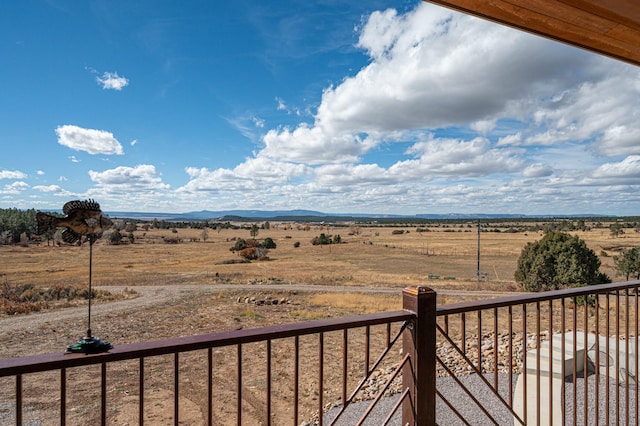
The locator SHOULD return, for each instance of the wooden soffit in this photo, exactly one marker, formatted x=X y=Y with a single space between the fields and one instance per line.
x=607 y=27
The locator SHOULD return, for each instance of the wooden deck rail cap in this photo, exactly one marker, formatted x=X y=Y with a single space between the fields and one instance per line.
x=414 y=290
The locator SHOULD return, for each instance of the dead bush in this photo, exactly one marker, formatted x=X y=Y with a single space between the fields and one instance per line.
x=254 y=253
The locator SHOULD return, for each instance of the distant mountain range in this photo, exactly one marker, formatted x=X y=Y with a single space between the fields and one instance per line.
x=311 y=215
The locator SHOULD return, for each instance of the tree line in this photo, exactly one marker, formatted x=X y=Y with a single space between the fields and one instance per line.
x=14 y=223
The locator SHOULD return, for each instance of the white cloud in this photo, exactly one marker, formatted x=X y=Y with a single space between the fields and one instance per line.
x=143 y=177
x=138 y=188
x=56 y=190
x=14 y=188
x=312 y=145
x=258 y=122
x=602 y=111
x=47 y=188
x=483 y=126
x=111 y=80
x=249 y=126
x=537 y=170
x=620 y=139
x=434 y=69
x=627 y=170
x=254 y=173
x=514 y=139
x=346 y=175
x=15 y=174
x=88 y=140
x=40 y=172
x=457 y=158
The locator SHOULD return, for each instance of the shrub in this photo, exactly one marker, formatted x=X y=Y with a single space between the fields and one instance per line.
x=240 y=244
x=254 y=253
x=558 y=260
x=115 y=237
x=233 y=261
x=26 y=298
x=322 y=239
x=268 y=243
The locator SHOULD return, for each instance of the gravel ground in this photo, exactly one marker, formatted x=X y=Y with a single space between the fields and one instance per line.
x=475 y=416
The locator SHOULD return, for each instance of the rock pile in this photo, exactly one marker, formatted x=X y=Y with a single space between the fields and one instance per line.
x=266 y=300
x=452 y=358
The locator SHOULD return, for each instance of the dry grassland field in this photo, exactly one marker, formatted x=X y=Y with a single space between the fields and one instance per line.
x=152 y=290
x=374 y=257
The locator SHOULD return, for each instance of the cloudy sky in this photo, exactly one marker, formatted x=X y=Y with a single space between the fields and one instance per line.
x=397 y=107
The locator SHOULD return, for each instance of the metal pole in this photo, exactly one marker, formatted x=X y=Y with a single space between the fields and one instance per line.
x=478 y=270
x=90 y=274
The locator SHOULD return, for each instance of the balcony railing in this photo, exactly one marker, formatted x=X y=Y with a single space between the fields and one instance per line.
x=499 y=361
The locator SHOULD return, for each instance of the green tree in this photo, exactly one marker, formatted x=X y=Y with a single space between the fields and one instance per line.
x=322 y=239
x=616 y=229
x=629 y=263
x=558 y=260
x=268 y=243
x=240 y=244
x=254 y=230
x=14 y=222
x=115 y=237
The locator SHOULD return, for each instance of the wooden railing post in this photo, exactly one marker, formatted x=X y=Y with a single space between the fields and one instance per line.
x=419 y=376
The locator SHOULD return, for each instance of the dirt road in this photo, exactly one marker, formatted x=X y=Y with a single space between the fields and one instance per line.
x=150 y=296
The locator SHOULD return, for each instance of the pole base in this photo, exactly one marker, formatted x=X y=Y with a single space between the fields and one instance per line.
x=89 y=345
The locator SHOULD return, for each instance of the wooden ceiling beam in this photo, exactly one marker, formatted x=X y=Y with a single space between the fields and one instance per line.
x=606 y=27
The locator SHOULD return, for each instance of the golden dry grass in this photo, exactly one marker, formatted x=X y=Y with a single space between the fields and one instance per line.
x=373 y=257
x=357 y=303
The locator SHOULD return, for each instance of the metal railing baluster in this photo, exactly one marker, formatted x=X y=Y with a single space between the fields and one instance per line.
x=19 y=399
x=320 y=378
x=63 y=396
x=103 y=393
x=268 y=382
x=296 y=379
x=176 y=389
x=210 y=386
x=239 y=385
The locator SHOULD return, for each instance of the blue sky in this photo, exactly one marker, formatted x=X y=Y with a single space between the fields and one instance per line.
x=342 y=107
